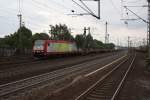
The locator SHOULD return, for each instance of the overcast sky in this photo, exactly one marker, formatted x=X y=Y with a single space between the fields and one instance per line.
x=39 y=14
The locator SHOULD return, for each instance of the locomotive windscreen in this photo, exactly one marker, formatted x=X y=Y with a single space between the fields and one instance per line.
x=39 y=45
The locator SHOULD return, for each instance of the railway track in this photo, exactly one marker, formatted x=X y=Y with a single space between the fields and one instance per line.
x=14 y=88
x=14 y=58
x=36 y=68
x=108 y=87
x=7 y=65
x=12 y=64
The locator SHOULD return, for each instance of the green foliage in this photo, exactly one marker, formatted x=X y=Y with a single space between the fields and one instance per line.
x=40 y=36
x=25 y=32
x=1 y=42
x=97 y=44
x=79 y=39
x=25 y=38
x=60 y=32
x=109 y=46
x=83 y=41
x=88 y=41
x=20 y=39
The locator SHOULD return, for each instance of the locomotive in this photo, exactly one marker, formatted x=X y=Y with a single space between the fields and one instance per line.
x=44 y=48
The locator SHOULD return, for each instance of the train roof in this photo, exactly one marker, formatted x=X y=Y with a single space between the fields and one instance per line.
x=57 y=41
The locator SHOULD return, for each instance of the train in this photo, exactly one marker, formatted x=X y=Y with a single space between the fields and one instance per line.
x=50 y=48
x=43 y=48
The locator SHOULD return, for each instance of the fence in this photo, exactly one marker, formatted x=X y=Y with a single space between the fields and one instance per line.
x=6 y=52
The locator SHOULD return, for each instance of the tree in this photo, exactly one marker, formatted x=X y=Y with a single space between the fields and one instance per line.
x=79 y=39
x=40 y=36
x=109 y=46
x=11 y=40
x=60 y=32
x=19 y=39
x=88 y=41
x=2 y=42
x=25 y=37
x=97 y=44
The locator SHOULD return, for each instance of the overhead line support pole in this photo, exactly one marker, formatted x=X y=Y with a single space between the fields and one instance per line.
x=106 y=35
x=147 y=22
x=99 y=9
x=20 y=20
x=149 y=28
x=128 y=44
x=20 y=25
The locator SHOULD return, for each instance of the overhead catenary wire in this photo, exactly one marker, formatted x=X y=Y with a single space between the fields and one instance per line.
x=11 y=22
x=82 y=7
x=136 y=15
x=30 y=18
x=114 y=6
x=136 y=1
x=8 y=11
x=35 y=24
x=19 y=6
x=87 y=7
x=122 y=4
x=59 y=4
x=47 y=6
x=39 y=6
x=43 y=5
x=13 y=18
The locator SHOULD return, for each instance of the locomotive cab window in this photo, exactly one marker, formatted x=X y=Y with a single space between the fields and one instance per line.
x=48 y=44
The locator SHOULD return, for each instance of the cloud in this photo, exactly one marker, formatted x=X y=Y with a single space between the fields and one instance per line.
x=38 y=15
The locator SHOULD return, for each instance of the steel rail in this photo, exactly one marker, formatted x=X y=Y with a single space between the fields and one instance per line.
x=35 y=61
x=8 y=65
x=77 y=64
x=123 y=80
x=53 y=76
x=44 y=74
x=6 y=69
x=100 y=80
